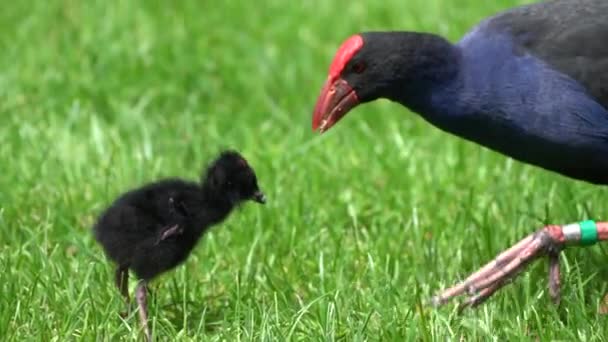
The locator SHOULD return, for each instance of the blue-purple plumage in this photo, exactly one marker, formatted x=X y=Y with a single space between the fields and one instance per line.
x=568 y=35
x=512 y=101
x=531 y=83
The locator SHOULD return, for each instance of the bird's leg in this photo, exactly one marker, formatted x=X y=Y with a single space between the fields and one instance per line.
x=172 y=208
x=141 y=294
x=173 y=230
x=549 y=240
x=169 y=232
x=122 y=282
x=554 y=277
x=177 y=208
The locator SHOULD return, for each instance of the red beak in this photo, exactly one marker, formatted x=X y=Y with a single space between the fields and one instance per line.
x=337 y=98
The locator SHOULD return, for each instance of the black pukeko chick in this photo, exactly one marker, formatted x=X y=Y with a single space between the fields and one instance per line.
x=153 y=229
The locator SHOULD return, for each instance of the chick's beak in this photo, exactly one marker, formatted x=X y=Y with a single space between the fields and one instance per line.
x=259 y=197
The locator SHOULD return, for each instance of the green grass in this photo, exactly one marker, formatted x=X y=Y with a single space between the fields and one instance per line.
x=363 y=224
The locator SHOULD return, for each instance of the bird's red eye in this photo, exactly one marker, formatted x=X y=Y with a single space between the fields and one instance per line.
x=358 y=67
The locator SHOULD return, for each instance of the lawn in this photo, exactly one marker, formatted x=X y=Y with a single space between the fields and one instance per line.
x=362 y=224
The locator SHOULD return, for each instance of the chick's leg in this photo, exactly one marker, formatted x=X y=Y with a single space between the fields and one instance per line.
x=141 y=294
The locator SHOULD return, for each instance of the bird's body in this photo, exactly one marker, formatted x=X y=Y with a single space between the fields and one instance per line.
x=567 y=35
x=513 y=95
x=500 y=86
x=132 y=226
x=153 y=229
x=530 y=83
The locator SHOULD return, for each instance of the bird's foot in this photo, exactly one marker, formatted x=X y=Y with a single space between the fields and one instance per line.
x=548 y=241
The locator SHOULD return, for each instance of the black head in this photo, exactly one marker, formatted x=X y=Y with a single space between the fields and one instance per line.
x=230 y=177
x=372 y=65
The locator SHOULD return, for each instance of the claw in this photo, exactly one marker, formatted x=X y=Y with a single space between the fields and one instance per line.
x=548 y=241
x=481 y=296
x=482 y=284
x=554 y=278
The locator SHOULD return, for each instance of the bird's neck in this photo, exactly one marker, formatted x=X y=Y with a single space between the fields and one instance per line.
x=433 y=83
x=215 y=207
x=475 y=77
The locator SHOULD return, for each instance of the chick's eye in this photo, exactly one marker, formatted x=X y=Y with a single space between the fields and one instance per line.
x=359 y=67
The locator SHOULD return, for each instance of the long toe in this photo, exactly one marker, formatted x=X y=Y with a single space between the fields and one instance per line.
x=482 y=284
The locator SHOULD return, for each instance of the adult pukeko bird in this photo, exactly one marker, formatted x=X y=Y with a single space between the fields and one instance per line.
x=530 y=83
x=153 y=229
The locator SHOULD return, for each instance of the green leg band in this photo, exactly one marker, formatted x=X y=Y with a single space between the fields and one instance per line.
x=588 y=232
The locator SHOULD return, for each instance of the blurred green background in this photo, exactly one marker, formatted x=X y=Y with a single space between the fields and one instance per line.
x=363 y=223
